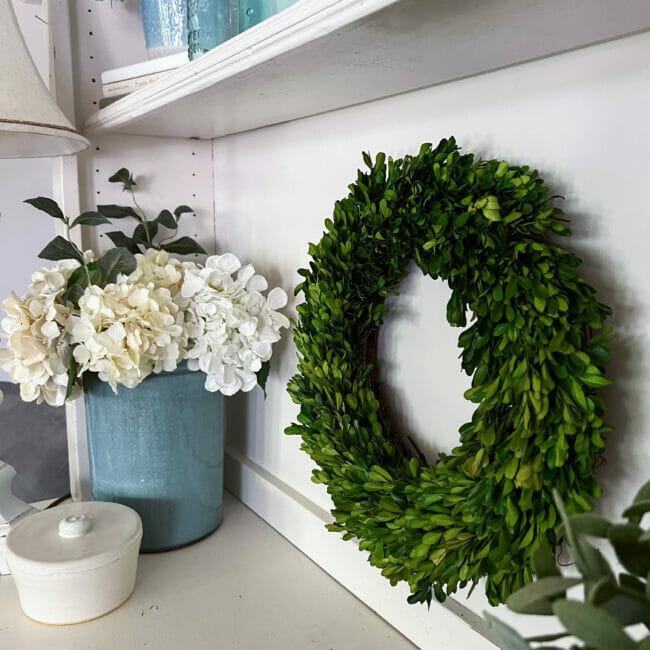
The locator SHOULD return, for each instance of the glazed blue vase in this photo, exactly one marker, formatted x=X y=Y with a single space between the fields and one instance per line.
x=158 y=448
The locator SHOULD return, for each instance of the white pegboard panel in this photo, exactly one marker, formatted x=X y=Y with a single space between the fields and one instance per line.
x=106 y=34
x=169 y=172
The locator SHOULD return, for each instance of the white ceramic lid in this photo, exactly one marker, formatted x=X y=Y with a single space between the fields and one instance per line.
x=73 y=537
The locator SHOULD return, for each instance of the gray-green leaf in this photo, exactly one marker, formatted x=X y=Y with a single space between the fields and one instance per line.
x=597 y=628
x=507 y=636
x=536 y=598
x=587 y=524
x=544 y=563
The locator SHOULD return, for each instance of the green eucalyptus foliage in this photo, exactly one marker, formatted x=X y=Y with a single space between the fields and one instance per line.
x=484 y=510
x=611 y=603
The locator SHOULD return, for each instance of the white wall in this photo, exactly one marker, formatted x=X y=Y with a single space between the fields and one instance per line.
x=581 y=118
x=23 y=230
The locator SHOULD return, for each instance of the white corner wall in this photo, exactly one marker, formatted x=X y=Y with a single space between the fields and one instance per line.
x=581 y=119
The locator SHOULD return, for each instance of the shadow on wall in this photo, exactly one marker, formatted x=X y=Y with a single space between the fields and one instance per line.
x=33 y=441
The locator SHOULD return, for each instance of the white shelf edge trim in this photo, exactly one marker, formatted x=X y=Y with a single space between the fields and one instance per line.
x=301 y=23
x=301 y=521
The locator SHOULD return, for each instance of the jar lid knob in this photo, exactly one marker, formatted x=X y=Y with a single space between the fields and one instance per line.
x=74 y=525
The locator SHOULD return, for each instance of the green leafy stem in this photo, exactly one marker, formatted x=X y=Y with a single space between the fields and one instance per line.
x=611 y=603
x=118 y=260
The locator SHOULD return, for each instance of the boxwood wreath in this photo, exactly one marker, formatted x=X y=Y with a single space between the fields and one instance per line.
x=536 y=350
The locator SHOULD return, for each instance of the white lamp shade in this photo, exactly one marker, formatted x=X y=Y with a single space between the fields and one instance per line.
x=31 y=124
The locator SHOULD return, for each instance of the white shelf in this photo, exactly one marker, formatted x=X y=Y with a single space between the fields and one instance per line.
x=321 y=55
x=242 y=587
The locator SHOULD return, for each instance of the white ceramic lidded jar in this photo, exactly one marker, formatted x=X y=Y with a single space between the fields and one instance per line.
x=75 y=562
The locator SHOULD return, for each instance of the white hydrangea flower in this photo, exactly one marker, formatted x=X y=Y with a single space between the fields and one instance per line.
x=38 y=342
x=126 y=331
x=157 y=267
x=231 y=326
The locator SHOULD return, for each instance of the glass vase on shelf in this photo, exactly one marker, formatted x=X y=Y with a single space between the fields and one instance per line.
x=252 y=12
x=165 y=26
x=210 y=23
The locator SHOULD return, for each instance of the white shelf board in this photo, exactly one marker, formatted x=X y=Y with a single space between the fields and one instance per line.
x=321 y=55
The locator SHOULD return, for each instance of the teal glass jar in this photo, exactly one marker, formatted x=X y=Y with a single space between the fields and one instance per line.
x=158 y=448
x=252 y=12
x=210 y=23
x=165 y=26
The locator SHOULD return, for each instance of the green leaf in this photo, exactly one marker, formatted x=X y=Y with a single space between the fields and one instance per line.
x=595 y=381
x=120 y=239
x=633 y=553
x=61 y=249
x=78 y=281
x=123 y=176
x=140 y=234
x=536 y=597
x=597 y=628
x=72 y=376
x=632 y=582
x=637 y=510
x=89 y=219
x=544 y=563
x=586 y=524
x=166 y=218
x=49 y=206
x=508 y=637
x=182 y=209
x=600 y=591
x=263 y=375
x=183 y=246
x=112 y=211
x=543 y=638
x=628 y=610
x=644 y=644
x=116 y=261
x=591 y=563
x=642 y=495
x=72 y=294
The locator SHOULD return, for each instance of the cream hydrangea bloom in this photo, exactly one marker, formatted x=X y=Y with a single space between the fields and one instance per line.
x=157 y=267
x=38 y=342
x=126 y=331
x=231 y=326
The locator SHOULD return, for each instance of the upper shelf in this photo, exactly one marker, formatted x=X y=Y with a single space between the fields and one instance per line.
x=321 y=55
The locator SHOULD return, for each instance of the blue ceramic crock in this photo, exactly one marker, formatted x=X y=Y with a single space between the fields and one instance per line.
x=158 y=448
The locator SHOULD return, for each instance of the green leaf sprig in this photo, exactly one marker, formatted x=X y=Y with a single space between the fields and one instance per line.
x=147 y=231
x=118 y=260
x=611 y=603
